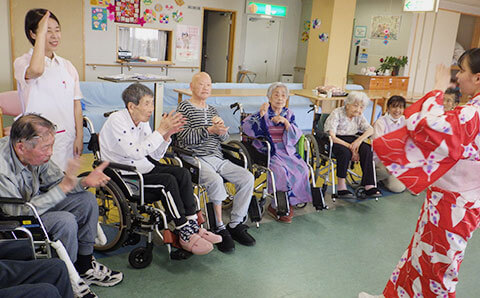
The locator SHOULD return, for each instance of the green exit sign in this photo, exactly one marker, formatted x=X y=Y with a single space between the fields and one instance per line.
x=267 y=9
x=419 y=5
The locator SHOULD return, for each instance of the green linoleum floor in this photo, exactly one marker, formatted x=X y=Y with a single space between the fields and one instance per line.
x=333 y=253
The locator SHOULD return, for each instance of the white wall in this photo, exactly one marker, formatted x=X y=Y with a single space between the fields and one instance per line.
x=6 y=82
x=365 y=10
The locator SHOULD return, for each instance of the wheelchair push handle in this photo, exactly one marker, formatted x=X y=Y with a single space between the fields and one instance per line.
x=237 y=106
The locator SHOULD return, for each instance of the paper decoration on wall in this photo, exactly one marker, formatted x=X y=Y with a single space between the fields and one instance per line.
x=323 y=37
x=356 y=42
x=168 y=7
x=99 y=18
x=127 y=11
x=391 y=24
x=177 y=16
x=163 y=18
x=158 y=7
x=306 y=30
x=111 y=8
x=385 y=42
x=363 y=57
x=141 y=21
x=149 y=15
x=111 y=17
x=187 y=45
x=316 y=23
x=179 y=2
x=365 y=43
x=100 y=2
x=147 y=2
x=360 y=32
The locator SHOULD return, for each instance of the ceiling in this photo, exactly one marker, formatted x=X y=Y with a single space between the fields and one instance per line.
x=466 y=2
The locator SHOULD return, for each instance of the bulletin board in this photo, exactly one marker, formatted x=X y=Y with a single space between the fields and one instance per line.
x=70 y=13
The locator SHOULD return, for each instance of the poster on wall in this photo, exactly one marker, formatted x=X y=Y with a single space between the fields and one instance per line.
x=127 y=11
x=99 y=18
x=382 y=24
x=187 y=43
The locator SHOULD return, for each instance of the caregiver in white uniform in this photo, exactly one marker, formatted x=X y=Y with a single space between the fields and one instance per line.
x=48 y=85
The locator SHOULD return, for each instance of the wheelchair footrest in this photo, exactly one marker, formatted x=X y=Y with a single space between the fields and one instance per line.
x=283 y=207
x=254 y=211
x=318 y=198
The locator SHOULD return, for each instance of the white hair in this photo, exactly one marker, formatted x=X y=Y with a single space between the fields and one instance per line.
x=274 y=86
x=357 y=96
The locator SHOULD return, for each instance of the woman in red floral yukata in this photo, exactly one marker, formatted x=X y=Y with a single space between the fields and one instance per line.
x=438 y=151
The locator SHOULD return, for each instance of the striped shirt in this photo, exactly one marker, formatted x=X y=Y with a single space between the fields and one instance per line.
x=195 y=136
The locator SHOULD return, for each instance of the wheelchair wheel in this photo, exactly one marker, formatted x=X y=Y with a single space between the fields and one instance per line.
x=114 y=214
x=140 y=257
x=360 y=193
x=240 y=145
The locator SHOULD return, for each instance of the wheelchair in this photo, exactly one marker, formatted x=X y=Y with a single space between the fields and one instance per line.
x=323 y=160
x=258 y=164
x=129 y=209
x=235 y=155
x=24 y=237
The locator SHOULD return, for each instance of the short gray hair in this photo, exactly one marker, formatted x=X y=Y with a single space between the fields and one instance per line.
x=274 y=86
x=134 y=93
x=26 y=129
x=357 y=96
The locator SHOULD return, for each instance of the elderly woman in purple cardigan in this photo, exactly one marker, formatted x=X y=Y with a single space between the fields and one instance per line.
x=277 y=124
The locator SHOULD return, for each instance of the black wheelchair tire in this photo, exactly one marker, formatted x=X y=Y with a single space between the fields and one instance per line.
x=140 y=257
x=120 y=201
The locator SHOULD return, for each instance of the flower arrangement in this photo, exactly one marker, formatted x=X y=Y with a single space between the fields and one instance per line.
x=393 y=63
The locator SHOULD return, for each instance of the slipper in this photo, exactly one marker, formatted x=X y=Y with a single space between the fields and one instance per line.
x=345 y=194
x=210 y=237
x=197 y=245
x=373 y=193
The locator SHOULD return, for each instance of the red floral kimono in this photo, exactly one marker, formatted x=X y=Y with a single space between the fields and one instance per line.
x=438 y=150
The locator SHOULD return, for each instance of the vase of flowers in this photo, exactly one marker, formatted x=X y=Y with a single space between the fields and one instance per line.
x=393 y=64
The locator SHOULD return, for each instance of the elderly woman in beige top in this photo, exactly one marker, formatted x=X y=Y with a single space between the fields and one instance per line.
x=348 y=129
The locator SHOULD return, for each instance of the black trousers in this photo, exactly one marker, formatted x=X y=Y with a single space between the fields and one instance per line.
x=344 y=156
x=178 y=183
x=35 y=278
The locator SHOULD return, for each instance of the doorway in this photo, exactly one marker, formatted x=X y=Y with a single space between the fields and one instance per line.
x=261 y=52
x=217 y=43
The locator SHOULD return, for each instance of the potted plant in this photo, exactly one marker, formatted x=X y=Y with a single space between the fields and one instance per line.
x=393 y=64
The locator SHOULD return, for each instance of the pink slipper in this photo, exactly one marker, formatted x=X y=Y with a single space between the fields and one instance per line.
x=210 y=237
x=197 y=245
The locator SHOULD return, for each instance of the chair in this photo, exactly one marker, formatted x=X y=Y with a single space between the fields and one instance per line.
x=323 y=160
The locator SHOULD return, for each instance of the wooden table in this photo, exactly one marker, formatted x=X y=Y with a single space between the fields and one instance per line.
x=377 y=96
x=229 y=93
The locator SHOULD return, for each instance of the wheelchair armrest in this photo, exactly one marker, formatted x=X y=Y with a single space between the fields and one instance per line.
x=183 y=151
x=117 y=166
x=230 y=148
x=17 y=201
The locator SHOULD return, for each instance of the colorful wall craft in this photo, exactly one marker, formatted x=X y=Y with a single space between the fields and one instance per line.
x=147 y=2
x=158 y=7
x=99 y=18
x=177 y=16
x=127 y=11
x=149 y=15
x=168 y=7
x=323 y=37
x=100 y=2
x=179 y=2
x=381 y=24
x=163 y=18
x=316 y=23
x=306 y=30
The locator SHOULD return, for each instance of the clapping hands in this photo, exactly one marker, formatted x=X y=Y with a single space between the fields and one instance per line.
x=218 y=127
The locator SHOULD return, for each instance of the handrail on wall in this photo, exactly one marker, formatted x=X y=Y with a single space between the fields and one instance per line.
x=163 y=67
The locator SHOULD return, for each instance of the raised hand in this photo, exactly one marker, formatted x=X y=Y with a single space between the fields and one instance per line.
x=96 y=178
x=171 y=123
x=264 y=108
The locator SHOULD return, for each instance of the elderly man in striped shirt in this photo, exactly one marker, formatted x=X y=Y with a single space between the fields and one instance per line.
x=202 y=134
